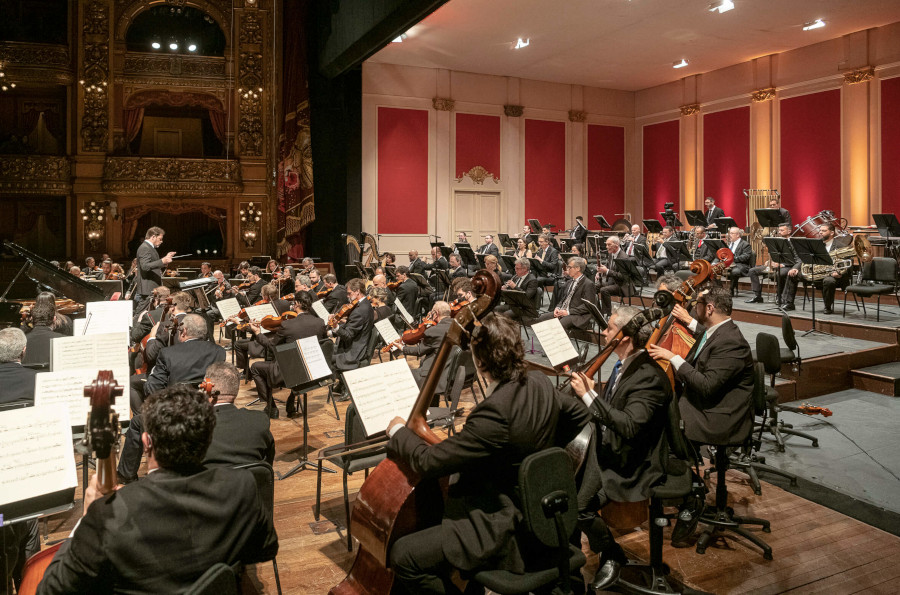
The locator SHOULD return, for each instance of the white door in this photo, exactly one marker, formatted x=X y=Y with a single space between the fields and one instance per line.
x=477 y=214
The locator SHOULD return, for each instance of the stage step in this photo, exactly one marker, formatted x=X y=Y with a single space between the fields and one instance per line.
x=883 y=379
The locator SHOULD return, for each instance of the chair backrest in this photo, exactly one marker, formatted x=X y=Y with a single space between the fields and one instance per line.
x=759 y=389
x=453 y=364
x=354 y=431
x=541 y=474
x=327 y=346
x=220 y=579
x=366 y=358
x=265 y=482
x=455 y=386
x=468 y=364
x=768 y=352
x=884 y=270
x=679 y=447
x=787 y=333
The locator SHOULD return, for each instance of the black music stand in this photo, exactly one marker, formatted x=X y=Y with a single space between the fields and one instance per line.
x=604 y=224
x=599 y=318
x=652 y=225
x=437 y=244
x=518 y=302
x=642 y=254
x=293 y=370
x=446 y=251
x=508 y=262
x=769 y=217
x=781 y=252
x=467 y=255
x=715 y=244
x=696 y=218
x=812 y=252
x=724 y=224
x=567 y=243
x=889 y=229
x=676 y=248
x=535 y=225
x=506 y=242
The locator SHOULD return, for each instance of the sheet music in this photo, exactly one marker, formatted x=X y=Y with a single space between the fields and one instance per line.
x=316 y=364
x=319 y=309
x=78 y=326
x=36 y=455
x=108 y=351
x=387 y=330
x=64 y=389
x=403 y=312
x=260 y=311
x=554 y=341
x=109 y=317
x=381 y=392
x=228 y=308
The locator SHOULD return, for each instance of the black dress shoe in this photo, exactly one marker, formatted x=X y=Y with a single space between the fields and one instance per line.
x=788 y=307
x=688 y=518
x=827 y=311
x=271 y=411
x=290 y=410
x=755 y=300
x=606 y=575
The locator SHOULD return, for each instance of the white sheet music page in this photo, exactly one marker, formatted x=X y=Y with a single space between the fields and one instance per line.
x=36 y=455
x=260 y=311
x=228 y=308
x=387 y=330
x=554 y=341
x=109 y=317
x=381 y=392
x=319 y=309
x=316 y=365
x=64 y=389
x=108 y=351
x=403 y=312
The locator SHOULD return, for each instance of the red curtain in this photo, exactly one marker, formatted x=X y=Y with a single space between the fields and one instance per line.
x=606 y=172
x=402 y=170
x=661 y=167
x=217 y=119
x=477 y=143
x=132 y=120
x=890 y=145
x=545 y=172
x=726 y=161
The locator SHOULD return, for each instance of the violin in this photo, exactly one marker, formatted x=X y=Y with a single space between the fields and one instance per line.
x=141 y=346
x=457 y=305
x=288 y=297
x=324 y=292
x=808 y=409
x=393 y=285
x=209 y=388
x=414 y=335
x=245 y=285
x=273 y=323
x=343 y=312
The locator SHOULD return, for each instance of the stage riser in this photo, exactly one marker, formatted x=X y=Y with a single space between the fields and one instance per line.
x=837 y=327
x=884 y=386
x=831 y=373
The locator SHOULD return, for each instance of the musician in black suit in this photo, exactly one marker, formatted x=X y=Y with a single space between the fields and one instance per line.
x=43 y=315
x=787 y=276
x=775 y=203
x=834 y=279
x=353 y=335
x=712 y=212
x=437 y=261
x=205 y=271
x=662 y=260
x=456 y=268
x=269 y=295
x=611 y=280
x=579 y=231
x=703 y=250
x=316 y=279
x=378 y=297
x=717 y=376
x=187 y=518
x=523 y=280
x=163 y=335
x=150 y=266
x=254 y=292
x=743 y=255
x=416 y=264
x=267 y=374
x=337 y=296
x=428 y=347
x=522 y=415
x=16 y=380
x=572 y=312
x=489 y=247
x=548 y=260
x=627 y=452
x=407 y=291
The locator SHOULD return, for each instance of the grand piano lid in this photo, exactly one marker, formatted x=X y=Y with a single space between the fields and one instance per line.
x=42 y=271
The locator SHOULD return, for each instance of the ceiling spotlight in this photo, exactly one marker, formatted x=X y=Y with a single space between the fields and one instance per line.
x=173 y=46
x=816 y=24
x=680 y=64
x=521 y=43
x=155 y=45
x=721 y=6
x=192 y=47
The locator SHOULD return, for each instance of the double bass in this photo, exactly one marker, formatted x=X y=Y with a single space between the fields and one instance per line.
x=393 y=501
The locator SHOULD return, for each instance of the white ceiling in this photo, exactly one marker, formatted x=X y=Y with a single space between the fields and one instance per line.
x=621 y=44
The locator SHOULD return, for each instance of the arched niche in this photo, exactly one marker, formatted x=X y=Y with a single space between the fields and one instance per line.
x=132 y=10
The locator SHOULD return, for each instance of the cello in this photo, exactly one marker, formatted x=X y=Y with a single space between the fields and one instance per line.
x=392 y=501
x=101 y=433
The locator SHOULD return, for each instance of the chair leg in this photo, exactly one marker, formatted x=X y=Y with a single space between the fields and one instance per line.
x=347 y=513
x=845 y=305
x=318 y=489
x=333 y=402
x=277 y=578
x=878 y=309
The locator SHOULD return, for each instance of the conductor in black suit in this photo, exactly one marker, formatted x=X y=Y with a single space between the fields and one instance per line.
x=627 y=452
x=188 y=518
x=489 y=247
x=16 y=380
x=522 y=414
x=712 y=212
x=571 y=311
x=150 y=266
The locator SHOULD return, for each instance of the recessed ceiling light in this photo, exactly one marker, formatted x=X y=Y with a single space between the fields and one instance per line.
x=192 y=47
x=721 y=6
x=816 y=24
x=155 y=45
x=521 y=43
x=680 y=64
x=173 y=46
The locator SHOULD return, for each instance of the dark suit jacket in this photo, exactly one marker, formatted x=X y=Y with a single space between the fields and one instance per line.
x=529 y=284
x=304 y=325
x=183 y=362
x=584 y=290
x=548 y=265
x=428 y=348
x=150 y=268
x=480 y=516
x=440 y=263
x=711 y=216
x=17 y=383
x=240 y=436
x=716 y=401
x=418 y=266
x=407 y=294
x=489 y=249
x=579 y=233
x=744 y=253
x=458 y=272
x=632 y=450
x=616 y=276
x=161 y=533
x=161 y=340
x=143 y=324
x=255 y=291
x=37 y=348
x=353 y=336
x=705 y=252
x=335 y=299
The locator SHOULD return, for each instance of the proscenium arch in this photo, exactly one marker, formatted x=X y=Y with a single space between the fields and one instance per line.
x=127 y=15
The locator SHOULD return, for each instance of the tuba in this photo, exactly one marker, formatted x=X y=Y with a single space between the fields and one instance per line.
x=842 y=260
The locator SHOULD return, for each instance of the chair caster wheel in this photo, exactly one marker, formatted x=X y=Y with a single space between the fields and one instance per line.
x=766 y=529
x=815 y=443
x=767 y=555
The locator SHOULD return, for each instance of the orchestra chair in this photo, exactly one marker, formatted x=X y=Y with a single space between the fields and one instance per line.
x=444 y=416
x=546 y=489
x=791 y=353
x=450 y=369
x=769 y=355
x=265 y=484
x=472 y=377
x=220 y=579
x=671 y=489
x=879 y=277
x=349 y=464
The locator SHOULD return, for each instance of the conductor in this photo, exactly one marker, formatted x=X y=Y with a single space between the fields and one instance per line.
x=150 y=266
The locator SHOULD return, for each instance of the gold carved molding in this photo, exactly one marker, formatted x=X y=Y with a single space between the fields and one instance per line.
x=514 y=111
x=152 y=65
x=171 y=176
x=577 y=116
x=442 y=104
x=478 y=175
x=95 y=74
x=860 y=75
x=690 y=109
x=15 y=53
x=763 y=95
x=250 y=90
x=35 y=174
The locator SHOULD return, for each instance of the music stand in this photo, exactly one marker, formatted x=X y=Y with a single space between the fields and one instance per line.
x=467 y=255
x=509 y=262
x=812 y=252
x=518 y=302
x=887 y=225
x=480 y=258
x=715 y=244
x=604 y=224
x=652 y=225
x=676 y=248
x=724 y=224
x=567 y=243
x=444 y=277
x=597 y=315
x=769 y=217
x=437 y=244
x=642 y=254
x=446 y=251
x=781 y=252
x=293 y=371
x=505 y=241
x=535 y=225
x=554 y=242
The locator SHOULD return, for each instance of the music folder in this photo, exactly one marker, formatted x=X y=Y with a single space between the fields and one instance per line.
x=518 y=301
x=535 y=225
x=302 y=366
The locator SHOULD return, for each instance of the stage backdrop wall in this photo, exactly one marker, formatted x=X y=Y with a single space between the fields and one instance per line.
x=477 y=143
x=661 y=168
x=726 y=160
x=890 y=145
x=402 y=170
x=605 y=173
x=545 y=171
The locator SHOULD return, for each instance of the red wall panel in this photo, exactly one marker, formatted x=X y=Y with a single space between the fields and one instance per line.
x=661 y=168
x=477 y=143
x=545 y=172
x=811 y=154
x=726 y=160
x=606 y=173
x=402 y=170
x=890 y=145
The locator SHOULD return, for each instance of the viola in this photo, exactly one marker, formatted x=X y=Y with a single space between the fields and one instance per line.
x=343 y=312
x=288 y=297
x=209 y=388
x=245 y=285
x=414 y=335
x=273 y=323
x=261 y=302
x=141 y=346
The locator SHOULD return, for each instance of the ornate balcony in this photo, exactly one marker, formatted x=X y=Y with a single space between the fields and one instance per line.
x=171 y=176
x=144 y=68
x=37 y=62
x=35 y=174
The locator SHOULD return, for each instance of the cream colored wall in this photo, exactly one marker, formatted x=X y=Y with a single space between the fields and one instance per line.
x=805 y=70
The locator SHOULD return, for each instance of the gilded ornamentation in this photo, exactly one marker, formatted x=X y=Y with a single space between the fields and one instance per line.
x=577 y=116
x=95 y=74
x=442 y=104
x=192 y=177
x=690 y=110
x=763 y=95
x=478 y=174
x=35 y=174
x=251 y=31
x=514 y=111
x=138 y=63
x=250 y=126
x=34 y=54
x=860 y=75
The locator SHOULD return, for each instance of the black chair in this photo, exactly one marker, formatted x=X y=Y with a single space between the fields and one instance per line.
x=265 y=483
x=327 y=346
x=220 y=579
x=349 y=464
x=769 y=355
x=879 y=277
x=791 y=353
x=445 y=417
x=453 y=363
x=546 y=487
x=466 y=361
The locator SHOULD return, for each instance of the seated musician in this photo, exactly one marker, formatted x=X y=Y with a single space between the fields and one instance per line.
x=571 y=311
x=224 y=289
x=456 y=268
x=337 y=294
x=461 y=238
x=316 y=280
x=16 y=380
x=243 y=271
x=629 y=450
x=61 y=323
x=163 y=335
x=256 y=283
x=272 y=266
x=105 y=271
x=775 y=203
x=703 y=250
x=548 y=258
x=378 y=297
x=266 y=375
x=489 y=247
x=205 y=270
x=635 y=238
x=523 y=280
x=159 y=535
x=786 y=280
x=491 y=264
x=269 y=295
x=90 y=267
x=407 y=291
x=428 y=347
x=522 y=414
x=380 y=281
x=416 y=264
x=717 y=380
x=671 y=283
x=145 y=320
x=522 y=250
x=611 y=280
x=302 y=284
x=118 y=271
x=834 y=279
x=353 y=335
x=437 y=260
x=76 y=271
x=663 y=261
x=743 y=254
x=43 y=317
x=240 y=435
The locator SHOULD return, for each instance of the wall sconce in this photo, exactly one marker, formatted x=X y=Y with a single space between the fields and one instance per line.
x=250 y=217
x=92 y=215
